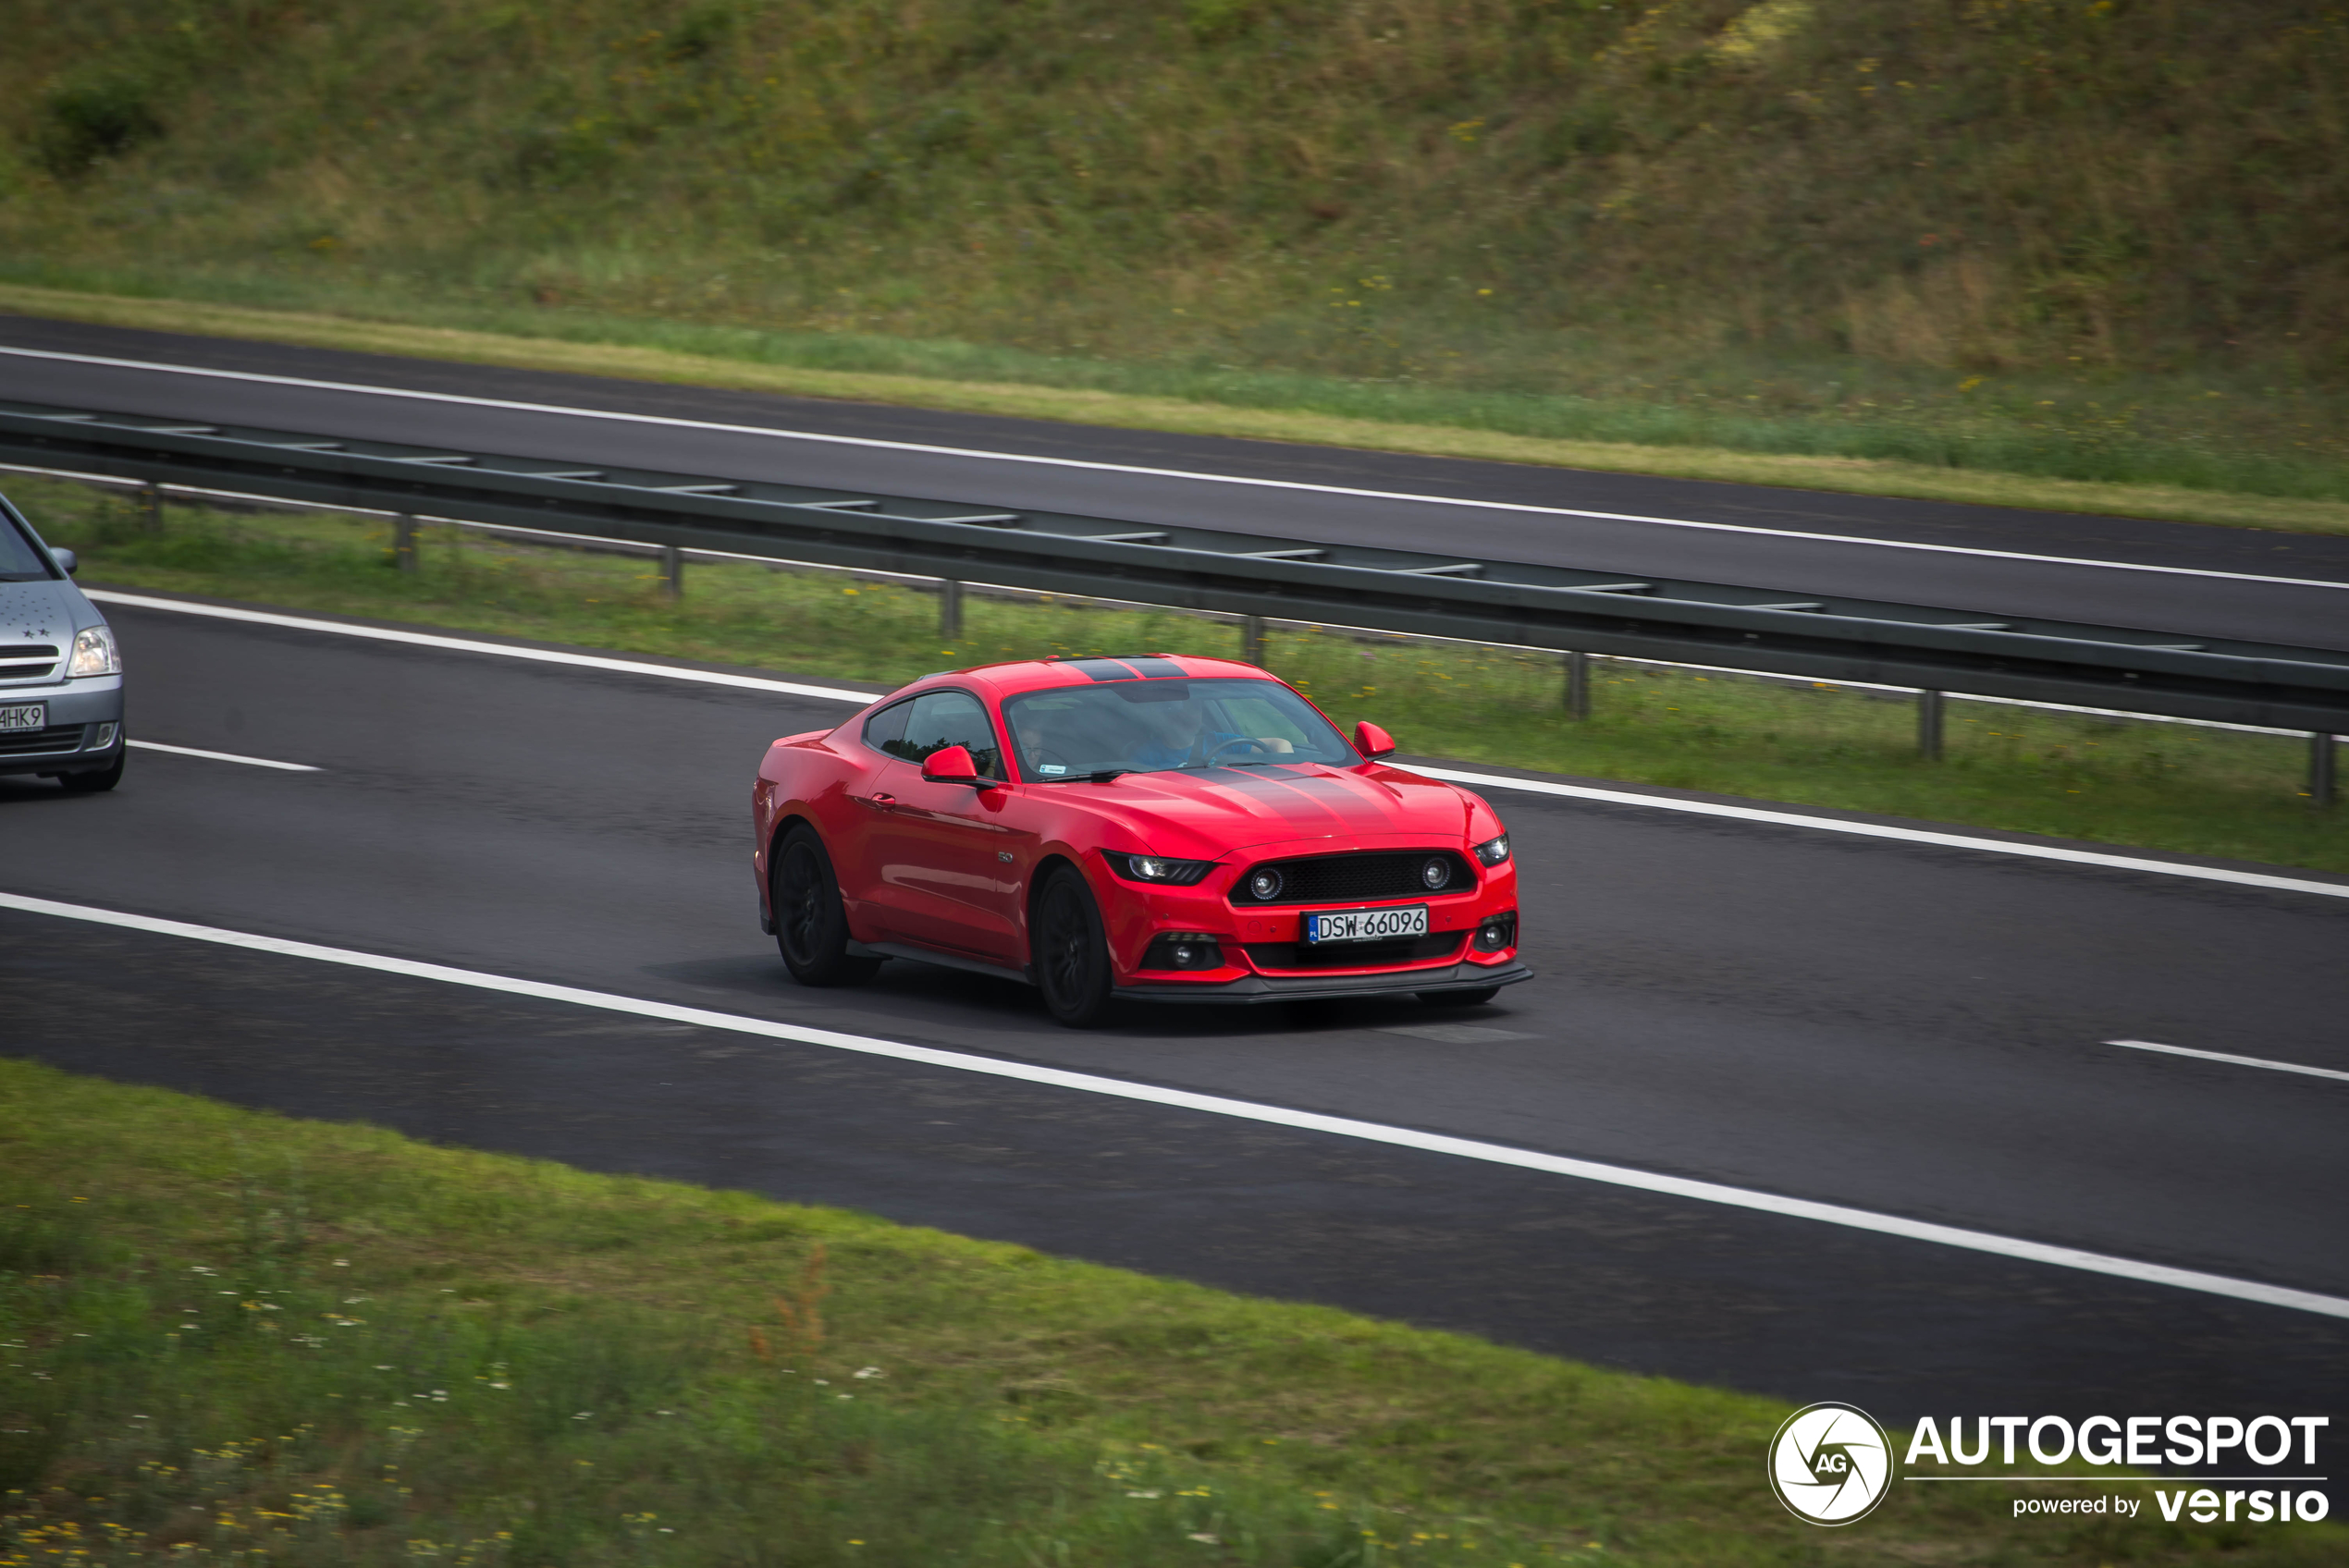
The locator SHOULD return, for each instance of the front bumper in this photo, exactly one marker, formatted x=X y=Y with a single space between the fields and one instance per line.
x=1250 y=988
x=78 y=710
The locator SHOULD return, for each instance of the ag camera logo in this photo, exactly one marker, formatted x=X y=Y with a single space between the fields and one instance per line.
x=1830 y=1464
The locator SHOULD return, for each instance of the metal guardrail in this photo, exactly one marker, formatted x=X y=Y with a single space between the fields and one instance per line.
x=1934 y=649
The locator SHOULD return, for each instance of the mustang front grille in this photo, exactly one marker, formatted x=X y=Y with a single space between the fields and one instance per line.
x=1329 y=879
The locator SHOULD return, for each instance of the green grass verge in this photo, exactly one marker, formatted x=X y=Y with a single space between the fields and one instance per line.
x=235 y=1338
x=1616 y=436
x=2159 y=786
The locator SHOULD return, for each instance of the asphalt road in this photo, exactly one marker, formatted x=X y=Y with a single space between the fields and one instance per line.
x=2137 y=574
x=1891 y=1026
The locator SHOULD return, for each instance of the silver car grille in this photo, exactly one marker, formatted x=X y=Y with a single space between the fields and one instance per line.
x=28 y=661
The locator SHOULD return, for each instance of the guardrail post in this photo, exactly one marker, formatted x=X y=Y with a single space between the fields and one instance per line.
x=403 y=541
x=2323 y=756
x=1252 y=640
x=1929 y=726
x=150 y=505
x=672 y=572
x=950 y=610
x=1578 y=685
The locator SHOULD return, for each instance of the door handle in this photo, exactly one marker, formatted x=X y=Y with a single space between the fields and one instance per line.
x=879 y=802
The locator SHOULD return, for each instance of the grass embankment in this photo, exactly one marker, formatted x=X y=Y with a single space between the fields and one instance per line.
x=233 y=1338
x=2099 y=243
x=2161 y=786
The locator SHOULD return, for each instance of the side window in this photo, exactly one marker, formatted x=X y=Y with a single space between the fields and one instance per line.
x=936 y=720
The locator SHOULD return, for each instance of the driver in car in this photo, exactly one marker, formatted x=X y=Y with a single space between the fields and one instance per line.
x=1179 y=738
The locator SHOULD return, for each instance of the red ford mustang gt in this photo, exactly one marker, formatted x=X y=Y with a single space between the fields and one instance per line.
x=1151 y=829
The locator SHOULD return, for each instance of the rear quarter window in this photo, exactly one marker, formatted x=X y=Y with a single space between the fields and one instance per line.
x=887 y=726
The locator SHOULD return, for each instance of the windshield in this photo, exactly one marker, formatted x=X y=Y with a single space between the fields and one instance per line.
x=1160 y=725
x=20 y=561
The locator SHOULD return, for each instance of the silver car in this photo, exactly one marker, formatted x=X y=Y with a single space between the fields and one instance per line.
x=60 y=672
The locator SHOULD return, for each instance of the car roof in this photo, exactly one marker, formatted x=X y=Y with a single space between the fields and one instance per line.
x=1030 y=675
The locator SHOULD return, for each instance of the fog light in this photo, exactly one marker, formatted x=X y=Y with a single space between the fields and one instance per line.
x=1435 y=873
x=1184 y=950
x=1264 y=884
x=1498 y=934
x=106 y=737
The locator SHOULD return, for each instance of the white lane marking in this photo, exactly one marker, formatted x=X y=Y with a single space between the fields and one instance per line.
x=2235 y=1061
x=469 y=646
x=1218 y=1105
x=1880 y=831
x=225 y=756
x=876 y=443
x=1484 y=781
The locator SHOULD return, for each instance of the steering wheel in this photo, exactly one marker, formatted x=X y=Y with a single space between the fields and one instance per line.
x=1251 y=744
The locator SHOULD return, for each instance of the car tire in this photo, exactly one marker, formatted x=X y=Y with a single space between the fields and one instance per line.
x=97 y=781
x=1467 y=998
x=1071 y=952
x=811 y=925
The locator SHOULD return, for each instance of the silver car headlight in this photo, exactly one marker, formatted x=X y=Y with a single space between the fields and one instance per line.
x=94 y=653
x=1493 y=851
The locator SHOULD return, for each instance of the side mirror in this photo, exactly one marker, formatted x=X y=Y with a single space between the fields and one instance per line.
x=68 y=562
x=1372 y=742
x=950 y=765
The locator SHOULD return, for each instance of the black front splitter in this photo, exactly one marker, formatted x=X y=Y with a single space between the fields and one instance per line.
x=1254 y=988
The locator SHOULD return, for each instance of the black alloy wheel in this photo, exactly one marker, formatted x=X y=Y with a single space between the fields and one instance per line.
x=1469 y=997
x=811 y=929
x=1071 y=954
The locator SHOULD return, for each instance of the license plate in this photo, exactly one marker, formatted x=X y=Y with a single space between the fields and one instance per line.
x=24 y=715
x=1366 y=925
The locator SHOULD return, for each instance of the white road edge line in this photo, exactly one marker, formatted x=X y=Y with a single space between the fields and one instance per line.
x=673 y=422
x=471 y=645
x=1217 y=1105
x=1482 y=781
x=224 y=756
x=2234 y=1061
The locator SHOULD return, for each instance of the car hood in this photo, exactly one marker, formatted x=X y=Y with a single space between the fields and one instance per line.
x=43 y=608
x=1217 y=811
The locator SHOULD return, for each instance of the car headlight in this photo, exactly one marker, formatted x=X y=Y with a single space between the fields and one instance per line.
x=1493 y=851
x=94 y=653
x=1158 y=868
